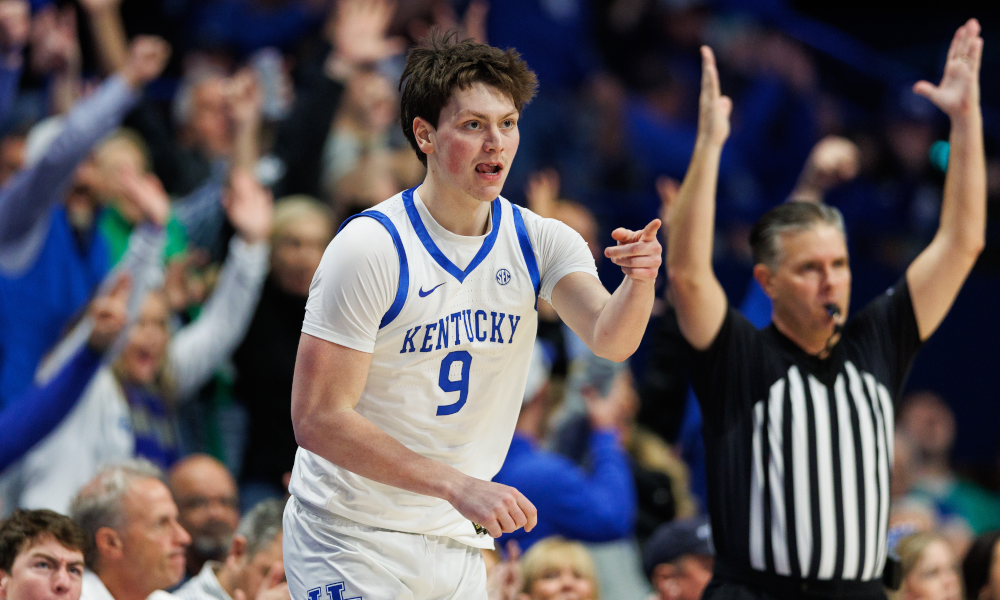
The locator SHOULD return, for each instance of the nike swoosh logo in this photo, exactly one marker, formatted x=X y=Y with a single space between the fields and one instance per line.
x=424 y=294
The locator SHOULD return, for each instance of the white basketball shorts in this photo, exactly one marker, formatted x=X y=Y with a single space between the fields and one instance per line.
x=332 y=558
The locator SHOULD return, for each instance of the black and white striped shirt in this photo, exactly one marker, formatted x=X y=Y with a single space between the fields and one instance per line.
x=799 y=449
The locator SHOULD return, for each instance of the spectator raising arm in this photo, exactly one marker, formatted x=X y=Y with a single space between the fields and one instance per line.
x=108 y=32
x=197 y=349
x=14 y=27
x=27 y=198
x=357 y=32
x=244 y=104
x=31 y=417
x=937 y=274
x=698 y=295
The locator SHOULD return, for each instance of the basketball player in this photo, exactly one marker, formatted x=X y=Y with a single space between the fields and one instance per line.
x=417 y=338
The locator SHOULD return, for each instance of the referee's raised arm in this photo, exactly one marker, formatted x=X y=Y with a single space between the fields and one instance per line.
x=936 y=276
x=699 y=298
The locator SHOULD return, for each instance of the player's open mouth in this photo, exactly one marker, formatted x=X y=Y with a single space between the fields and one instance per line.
x=489 y=168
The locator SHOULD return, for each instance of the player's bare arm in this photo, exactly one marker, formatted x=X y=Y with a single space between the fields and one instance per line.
x=328 y=382
x=936 y=276
x=612 y=324
x=698 y=295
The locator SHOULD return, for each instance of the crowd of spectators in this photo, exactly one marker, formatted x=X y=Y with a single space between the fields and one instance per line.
x=171 y=173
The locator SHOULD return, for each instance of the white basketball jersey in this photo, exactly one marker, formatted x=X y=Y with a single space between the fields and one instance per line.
x=448 y=371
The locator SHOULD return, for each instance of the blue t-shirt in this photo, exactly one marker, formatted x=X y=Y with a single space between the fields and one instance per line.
x=36 y=306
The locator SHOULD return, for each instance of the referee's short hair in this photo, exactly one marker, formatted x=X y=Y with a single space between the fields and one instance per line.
x=765 y=237
x=442 y=63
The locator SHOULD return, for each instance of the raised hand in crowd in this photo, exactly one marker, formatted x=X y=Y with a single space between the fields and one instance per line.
x=249 y=206
x=473 y=23
x=97 y=6
x=184 y=280
x=244 y=99
x=615 y=410
x=109 y=313
x=543 y=192
x=147 y=57
x=54 y=44
x=505 y=579
x=833 y=160
x=274 y=586
x=108 y=32
x=146 y=192
x=667 y=189
x=357 y=29
x=15 y=23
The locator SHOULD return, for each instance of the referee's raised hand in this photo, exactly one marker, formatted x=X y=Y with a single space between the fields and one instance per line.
x=713 y=108
x=638 y=253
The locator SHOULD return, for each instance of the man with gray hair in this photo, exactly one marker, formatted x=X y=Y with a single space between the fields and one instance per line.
x=134 y=544
x=253 y=570
x=798 y=417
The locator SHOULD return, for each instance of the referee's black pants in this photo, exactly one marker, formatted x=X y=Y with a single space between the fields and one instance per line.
x=729 y=583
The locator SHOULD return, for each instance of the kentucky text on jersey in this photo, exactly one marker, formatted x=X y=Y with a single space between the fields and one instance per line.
x=476 y=325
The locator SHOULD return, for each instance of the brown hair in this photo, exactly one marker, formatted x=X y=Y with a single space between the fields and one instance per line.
x=442 y=63
x=25 y=528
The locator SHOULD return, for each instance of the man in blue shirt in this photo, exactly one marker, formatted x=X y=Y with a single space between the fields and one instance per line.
x=51 y=256
x=598 y=505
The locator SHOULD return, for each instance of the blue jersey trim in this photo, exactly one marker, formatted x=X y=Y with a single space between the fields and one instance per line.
x=404 y=270
x=435 y=252
x=527 y=251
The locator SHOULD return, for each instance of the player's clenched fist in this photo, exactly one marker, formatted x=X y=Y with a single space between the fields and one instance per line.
x=496 y=507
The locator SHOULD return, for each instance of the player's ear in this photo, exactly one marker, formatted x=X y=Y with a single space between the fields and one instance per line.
x=4 y=582
x=423 y=131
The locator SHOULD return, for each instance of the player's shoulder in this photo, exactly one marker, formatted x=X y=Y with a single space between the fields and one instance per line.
x=392 y=207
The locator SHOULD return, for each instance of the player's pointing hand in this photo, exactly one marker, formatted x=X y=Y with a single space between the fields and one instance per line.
x=638 y=253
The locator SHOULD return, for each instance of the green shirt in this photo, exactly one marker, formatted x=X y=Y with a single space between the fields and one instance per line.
x=116 y=230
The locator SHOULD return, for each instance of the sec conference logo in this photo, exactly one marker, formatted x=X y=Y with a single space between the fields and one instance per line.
x=503 y=276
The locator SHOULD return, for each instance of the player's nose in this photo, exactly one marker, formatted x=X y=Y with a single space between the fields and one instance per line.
x=493 y=140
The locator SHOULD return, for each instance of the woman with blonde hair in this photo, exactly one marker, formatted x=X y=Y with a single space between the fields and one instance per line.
x=930 y=568
x=558 y=569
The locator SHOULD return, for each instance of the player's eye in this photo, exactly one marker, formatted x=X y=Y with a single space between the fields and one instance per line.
x=508 y=123
x=78 y=571
x=472 y=125
x=43 y=564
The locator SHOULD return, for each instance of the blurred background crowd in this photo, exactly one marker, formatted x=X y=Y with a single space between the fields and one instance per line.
x=172 y=170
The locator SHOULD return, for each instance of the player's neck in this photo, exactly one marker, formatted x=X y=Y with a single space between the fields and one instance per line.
x=453 y=209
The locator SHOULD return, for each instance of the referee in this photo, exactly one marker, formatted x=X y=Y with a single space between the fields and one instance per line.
x=798 y=417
